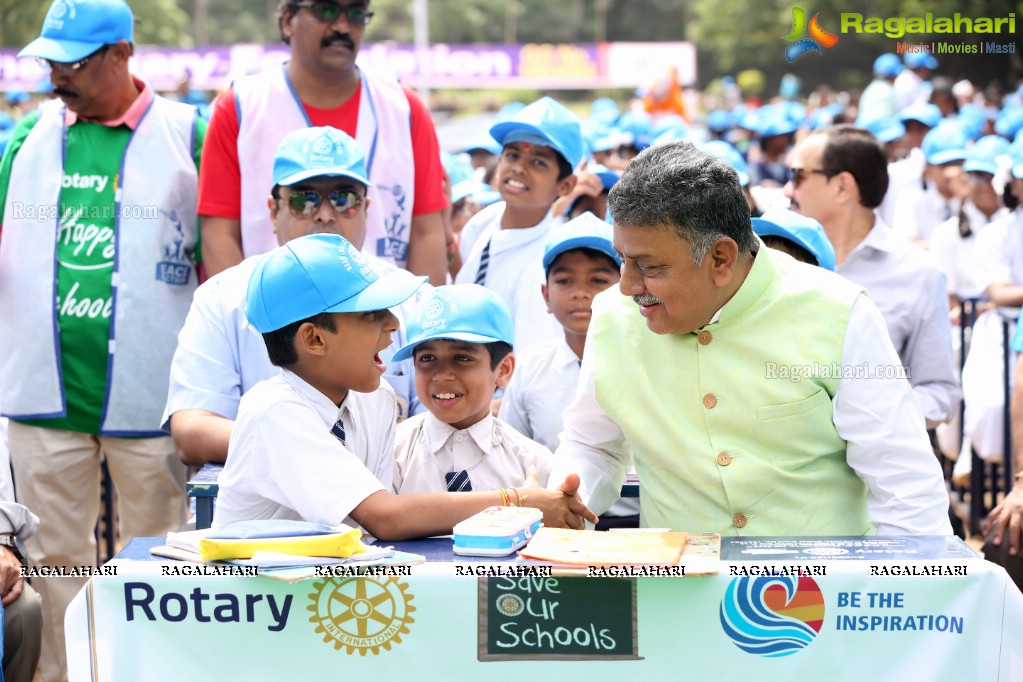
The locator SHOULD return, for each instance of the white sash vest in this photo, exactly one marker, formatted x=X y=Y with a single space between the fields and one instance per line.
x=268 y=108
x=153 y=275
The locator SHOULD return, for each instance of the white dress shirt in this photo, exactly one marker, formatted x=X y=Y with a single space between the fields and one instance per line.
x=919 y=210
x=515 y=272
x=957 y=255
x=909 y=289
x=284 y=462
x=1000 y=251
x=494 y=454
x=220 y=356
x=543 y=386
x=879 y=419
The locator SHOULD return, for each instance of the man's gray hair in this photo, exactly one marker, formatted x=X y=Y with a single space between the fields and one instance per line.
x=697 y=194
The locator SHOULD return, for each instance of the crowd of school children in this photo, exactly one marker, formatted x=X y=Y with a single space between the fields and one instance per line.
x=479 y=370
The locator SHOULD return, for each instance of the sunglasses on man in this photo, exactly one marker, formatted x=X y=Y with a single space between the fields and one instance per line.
x=328 y=12
x=797 y=175
x=72 y=67
x=304 y=203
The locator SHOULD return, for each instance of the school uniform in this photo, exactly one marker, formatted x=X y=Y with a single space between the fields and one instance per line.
x=493 y=454
x=514 y=271
x=294 y=454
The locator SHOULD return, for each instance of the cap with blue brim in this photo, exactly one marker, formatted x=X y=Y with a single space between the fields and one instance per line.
x=311 y=152
x=74 y=29
x=928 y=114
x=544 y=122
x=729 y=155
x=983 y=155
x=945 y=144
x=459 y=312
x=320 y=273
x=585 y=231
x=804 y=231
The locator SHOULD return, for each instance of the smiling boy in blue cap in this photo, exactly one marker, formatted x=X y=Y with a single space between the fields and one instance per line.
x=323 y=311
x=460 y=340
x=502 y=245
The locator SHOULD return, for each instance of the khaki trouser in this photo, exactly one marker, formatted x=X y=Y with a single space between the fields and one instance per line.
x=23 y=628
x=57 y=476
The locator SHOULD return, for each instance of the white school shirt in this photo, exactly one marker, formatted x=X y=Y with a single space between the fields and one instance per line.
x=903 y=175
x=906 y=284
x=220 y=356
x=284 y=463
x=1000 y=251
x=543 y=386
x=957 y=255
x=905 y=494
x=495 y=455
x=515 y=273
x=919 y=211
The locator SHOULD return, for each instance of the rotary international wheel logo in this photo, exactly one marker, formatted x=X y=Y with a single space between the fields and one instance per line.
x=361 y=614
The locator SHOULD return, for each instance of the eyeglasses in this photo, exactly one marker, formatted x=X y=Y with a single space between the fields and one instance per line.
x=328 y=12
x=73 y=67
x=797 y=175
x=304 y=203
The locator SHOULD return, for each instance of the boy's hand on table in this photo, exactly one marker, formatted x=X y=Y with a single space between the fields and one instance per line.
x=562 y=508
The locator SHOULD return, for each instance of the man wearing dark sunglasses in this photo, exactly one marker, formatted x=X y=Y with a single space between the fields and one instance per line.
x=322 y=86
x=838 y=177
x=320 y=185
x=98 y=192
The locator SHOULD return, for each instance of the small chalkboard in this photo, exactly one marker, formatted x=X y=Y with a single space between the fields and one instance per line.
x=556 y=618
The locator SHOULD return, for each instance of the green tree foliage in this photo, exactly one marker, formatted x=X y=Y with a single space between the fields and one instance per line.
x=156 y=22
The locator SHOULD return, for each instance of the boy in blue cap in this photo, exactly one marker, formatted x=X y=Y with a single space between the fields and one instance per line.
x=460 y=340
x=580 y=262
x=502 y=246
x=323 y=311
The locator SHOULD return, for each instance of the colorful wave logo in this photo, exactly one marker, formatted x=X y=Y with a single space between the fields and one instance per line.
x=818 y=36
x=772 y=616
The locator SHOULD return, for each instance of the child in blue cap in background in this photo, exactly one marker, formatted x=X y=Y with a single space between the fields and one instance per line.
x=797 y=235
x=460 y=340
x=502 y=246
x=580 y=262
x=316 y=442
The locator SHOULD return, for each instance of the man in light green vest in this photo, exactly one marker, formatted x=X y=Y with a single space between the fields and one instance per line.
x=757 y=395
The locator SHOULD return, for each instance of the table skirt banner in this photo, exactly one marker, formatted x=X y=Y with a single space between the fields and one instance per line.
x=747 y=622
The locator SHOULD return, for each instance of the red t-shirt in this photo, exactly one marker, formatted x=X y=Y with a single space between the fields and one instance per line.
x=220 y=192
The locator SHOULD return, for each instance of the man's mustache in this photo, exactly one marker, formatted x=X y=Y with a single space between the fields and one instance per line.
x=338 y=38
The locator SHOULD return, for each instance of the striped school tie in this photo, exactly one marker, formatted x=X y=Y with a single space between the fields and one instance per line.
x=339 y=432
x=458 y=481
x=481 y=274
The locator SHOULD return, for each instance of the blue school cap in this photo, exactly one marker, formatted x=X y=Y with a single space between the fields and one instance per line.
x=888 y=65
x=585 y=231
x=544 y=122
x=719 y=121
x=311 y=152
x=460 y=312
x=320 y=273
x=804 y=231
x=729 y=155
x=885 y=129
x=928 y=114
x=920 y=60
x=483 y=142
x=944 y=144
x=983 y=155
x=1009 y=121
x=74 y=29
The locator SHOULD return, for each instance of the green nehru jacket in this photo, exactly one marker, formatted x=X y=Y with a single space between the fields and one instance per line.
x=721 y=442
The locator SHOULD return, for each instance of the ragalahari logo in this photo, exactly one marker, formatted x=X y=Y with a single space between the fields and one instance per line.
x=818 y=36
x=772 y=616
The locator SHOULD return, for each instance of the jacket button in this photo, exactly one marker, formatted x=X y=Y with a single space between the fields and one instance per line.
x=709 y=401
x=705 y=337
x=739 y=520
x=724 y=459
